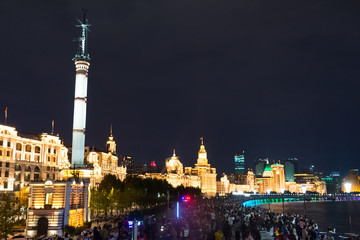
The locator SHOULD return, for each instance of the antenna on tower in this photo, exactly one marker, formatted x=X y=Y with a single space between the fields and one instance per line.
x=82 y=54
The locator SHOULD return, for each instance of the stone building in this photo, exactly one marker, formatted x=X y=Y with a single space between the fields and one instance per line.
x=201 y=176
x=25 y=158
x=55 y=204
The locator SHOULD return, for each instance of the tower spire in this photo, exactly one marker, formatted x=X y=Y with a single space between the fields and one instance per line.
x=82 y=53
x=174 y=155
x=111 y=130
x=202 y=140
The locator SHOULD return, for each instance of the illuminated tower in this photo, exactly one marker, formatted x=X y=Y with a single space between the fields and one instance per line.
x=110 y=144
x=82 y=63
x=202 y=156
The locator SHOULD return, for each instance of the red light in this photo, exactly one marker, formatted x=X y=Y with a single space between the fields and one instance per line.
x=153 y=164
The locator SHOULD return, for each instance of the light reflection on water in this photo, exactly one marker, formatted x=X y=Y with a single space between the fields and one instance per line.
x=334 y=214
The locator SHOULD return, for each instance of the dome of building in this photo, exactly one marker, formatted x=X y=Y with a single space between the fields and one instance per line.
x=173 y=165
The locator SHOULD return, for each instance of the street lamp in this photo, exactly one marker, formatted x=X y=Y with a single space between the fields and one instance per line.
x=303 y=189
x=282 y=190
x=347 y=187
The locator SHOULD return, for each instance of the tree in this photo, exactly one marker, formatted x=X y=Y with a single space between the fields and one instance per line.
x=8 y=214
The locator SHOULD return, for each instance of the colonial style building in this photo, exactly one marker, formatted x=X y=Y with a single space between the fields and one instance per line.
x=25 y=158
x=105 y=162
x=204 y=171
x=201 y=176
x=54 y=204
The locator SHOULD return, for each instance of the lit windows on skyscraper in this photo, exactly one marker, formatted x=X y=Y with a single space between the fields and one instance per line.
x=239 y=163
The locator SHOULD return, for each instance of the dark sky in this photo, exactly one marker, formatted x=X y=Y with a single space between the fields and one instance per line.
x=274 y=78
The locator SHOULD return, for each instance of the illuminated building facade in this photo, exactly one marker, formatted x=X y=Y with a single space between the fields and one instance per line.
x=28 y=158
x=239 y=160
x=312 y=182
x=201 y=176
x=55 y=204
x=104 y=163
x=203 y=170
x=353 y=178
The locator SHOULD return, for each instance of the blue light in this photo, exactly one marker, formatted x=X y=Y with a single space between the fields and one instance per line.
x=177 y=210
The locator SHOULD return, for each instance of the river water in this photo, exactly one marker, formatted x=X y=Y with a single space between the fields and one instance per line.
x=344 y=216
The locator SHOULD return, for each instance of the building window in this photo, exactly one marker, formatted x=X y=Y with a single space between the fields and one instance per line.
x=27 y=177
x=17 y=176
x=49 y=150
x=36 y=176
x=17 y=167
x=37 y=158
x=9 y=144
x=0 y=164
x=54 y=151
x=37 y=149
x=1 y=152
x=18 y=156
x=48 y=158
x=27 y=168
x=8 y=153
x=37 y=169
x=1 y=143
x=7 y=164
x=48 y=199
x=18 y=146
x=6 y=173
x=5 y=185
x=54 y=159
x=28 y=148
x=48 y=169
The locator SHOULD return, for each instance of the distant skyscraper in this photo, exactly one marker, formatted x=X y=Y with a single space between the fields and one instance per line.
x=82 y=63
x=260 y=166
x=333 y=182
x=239 y=163
x=291 y=167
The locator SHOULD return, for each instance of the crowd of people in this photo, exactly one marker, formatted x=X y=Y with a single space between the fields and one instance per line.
x=212 y=219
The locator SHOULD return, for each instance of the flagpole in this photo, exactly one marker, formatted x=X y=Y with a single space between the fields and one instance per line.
x=6 y=114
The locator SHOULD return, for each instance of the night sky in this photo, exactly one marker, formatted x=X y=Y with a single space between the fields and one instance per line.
x=277 y=79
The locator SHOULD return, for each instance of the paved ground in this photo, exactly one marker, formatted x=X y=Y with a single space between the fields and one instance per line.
x=265 y=235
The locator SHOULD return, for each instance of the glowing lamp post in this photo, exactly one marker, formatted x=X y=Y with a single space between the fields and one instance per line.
x=347 y=187
x=282 y=190
x=303 y=189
